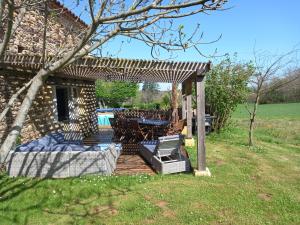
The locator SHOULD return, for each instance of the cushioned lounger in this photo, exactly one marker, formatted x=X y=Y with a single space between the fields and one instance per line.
x=164 y=155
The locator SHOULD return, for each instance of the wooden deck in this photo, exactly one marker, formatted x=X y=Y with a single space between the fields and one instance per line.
x=129 y=162
x=132 y=165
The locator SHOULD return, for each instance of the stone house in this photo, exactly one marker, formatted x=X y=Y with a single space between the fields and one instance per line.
x=67 y=100
x=62 y=103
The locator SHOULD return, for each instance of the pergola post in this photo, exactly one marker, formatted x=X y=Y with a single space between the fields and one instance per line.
x=201 y=170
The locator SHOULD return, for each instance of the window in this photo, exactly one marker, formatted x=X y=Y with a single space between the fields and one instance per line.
x=62 y=99
x=20 y=49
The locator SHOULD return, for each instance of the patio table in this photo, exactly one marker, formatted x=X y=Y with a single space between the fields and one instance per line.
x=155 y=127
x=153 y=122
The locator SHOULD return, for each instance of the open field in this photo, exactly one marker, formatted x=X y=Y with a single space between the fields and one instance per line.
x=290 y=111
x=257 y=186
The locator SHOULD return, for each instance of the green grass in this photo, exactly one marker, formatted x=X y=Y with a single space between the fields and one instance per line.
x=249 y=186
x=290 y=111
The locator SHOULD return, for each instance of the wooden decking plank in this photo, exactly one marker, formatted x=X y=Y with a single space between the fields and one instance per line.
x=131 y=165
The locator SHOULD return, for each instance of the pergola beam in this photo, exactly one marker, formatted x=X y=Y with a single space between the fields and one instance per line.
x=93 y=68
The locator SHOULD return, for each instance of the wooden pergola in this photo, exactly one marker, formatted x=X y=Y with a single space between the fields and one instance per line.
x=93 y=68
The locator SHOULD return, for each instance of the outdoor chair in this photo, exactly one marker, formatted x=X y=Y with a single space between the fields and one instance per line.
x=165 y=155
x=176 y=128
x=113 y=123
x=122 y=128
x=135 y=133
x=169 y=146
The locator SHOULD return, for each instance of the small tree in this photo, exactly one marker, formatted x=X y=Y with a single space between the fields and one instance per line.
x=226 y=87
x=113 y=94
x=166 y=101
x=267 y=68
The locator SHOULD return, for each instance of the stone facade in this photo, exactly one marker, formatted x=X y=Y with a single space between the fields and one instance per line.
x=41 y=118
x=62 y=31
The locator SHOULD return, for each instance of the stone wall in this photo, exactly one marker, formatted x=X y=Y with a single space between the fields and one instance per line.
x=62 y=31
x=41 y=118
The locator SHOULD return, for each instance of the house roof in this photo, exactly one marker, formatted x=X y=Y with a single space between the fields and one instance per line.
x=67 y=12
x=93 y=68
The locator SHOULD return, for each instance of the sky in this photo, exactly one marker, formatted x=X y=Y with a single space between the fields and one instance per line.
x=266 y=25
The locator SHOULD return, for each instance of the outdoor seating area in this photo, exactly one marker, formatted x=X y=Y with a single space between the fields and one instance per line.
x=134 y=126
x=157 y=139
x=71 y=96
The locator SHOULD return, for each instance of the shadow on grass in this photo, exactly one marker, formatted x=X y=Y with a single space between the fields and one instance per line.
x=75 y=207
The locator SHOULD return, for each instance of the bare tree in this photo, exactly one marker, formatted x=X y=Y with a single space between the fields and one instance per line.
x=267 y=68
x=144 y=20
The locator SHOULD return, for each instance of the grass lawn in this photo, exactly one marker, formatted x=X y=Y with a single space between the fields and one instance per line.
x=257 y=186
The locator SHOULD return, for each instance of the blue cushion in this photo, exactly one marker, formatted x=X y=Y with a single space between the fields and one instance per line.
x=26 y=147
x=58 y=137
x=55 y=142
x=60 y=148
x=72 y=142
x=46 y=141
x=150 y=145
x=150 y=142
x=150 y=148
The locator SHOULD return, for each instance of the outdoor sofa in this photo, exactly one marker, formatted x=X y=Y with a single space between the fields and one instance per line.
x=164 y=155
x=53 y=156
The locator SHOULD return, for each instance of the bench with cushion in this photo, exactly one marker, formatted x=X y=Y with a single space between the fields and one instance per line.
x=53 y=156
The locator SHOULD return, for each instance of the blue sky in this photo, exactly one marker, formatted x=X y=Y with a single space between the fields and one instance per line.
x=270 y=25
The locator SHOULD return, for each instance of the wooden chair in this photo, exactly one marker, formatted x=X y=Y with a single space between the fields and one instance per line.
x=135 y=133
x=176 y=128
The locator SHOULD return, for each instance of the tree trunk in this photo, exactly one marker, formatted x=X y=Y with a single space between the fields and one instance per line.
x=174 y=103
x=11 y=138
x=252 y=120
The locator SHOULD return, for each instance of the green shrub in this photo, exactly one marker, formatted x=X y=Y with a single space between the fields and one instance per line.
x=114 y=93
x=225 y=88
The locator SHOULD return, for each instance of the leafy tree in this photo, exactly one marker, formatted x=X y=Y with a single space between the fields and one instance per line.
x=150 y=86
x=166 y=101
x=114 y=93
x=225 y=88
x=150 y=90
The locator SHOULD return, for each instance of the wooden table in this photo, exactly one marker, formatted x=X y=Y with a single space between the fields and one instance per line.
x=152 y=122
x=155 y=126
